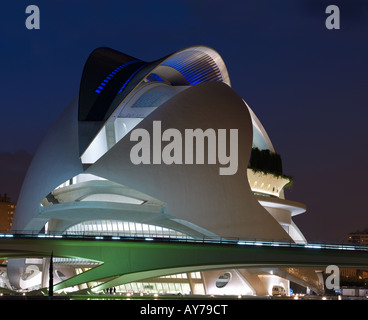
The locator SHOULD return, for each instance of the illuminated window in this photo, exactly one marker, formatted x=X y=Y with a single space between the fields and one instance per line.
x=223 y=280
x=123 y=229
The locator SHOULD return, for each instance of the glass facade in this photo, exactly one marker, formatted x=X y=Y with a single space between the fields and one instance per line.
x=123 y=229
x=154 y=287
x=171 y=284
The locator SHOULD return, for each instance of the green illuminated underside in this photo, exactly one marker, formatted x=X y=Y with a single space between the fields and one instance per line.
x=124 y=262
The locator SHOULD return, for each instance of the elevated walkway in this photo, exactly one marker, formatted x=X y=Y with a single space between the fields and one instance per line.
x=125 y=260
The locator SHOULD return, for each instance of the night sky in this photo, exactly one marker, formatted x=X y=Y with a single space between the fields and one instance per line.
x=307 y=84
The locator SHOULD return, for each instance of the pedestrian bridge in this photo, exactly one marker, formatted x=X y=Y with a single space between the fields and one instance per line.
x=127 y=259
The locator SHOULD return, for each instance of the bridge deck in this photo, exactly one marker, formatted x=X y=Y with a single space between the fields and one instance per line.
x=127 y=259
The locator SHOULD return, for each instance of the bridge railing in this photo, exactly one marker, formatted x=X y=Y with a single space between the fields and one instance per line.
x=144 y=236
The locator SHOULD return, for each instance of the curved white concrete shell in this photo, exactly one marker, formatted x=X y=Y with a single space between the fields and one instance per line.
x=83 y=175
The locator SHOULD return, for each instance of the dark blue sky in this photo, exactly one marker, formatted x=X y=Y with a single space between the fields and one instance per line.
x=308 y=85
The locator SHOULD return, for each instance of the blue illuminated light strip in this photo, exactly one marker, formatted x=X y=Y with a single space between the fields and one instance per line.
x=113 y=73
x=195 y=71
x=130 y=78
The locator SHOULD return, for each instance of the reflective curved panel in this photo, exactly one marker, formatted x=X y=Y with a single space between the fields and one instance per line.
x=109 y=76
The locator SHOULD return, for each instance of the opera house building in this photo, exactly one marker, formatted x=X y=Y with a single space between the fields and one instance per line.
x=117 y=162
